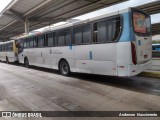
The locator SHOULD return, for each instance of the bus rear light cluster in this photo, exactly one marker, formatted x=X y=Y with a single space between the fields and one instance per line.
x=134 y=55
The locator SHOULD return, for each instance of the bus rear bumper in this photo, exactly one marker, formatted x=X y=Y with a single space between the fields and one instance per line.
x=132 y=70
x=136 y=69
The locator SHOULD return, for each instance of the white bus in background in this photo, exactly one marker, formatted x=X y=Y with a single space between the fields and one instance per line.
x=116 y=44
x=8 y=51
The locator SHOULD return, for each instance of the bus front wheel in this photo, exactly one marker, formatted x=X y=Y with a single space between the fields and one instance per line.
x=64 y=68
x=26 y=63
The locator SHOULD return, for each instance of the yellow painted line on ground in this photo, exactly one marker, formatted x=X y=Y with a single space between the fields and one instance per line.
x=151 y=74
x=155 y=58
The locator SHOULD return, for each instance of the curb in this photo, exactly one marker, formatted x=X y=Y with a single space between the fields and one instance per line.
x=156 y=59
x=151 y=74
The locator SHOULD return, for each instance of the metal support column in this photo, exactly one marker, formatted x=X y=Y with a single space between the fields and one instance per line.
x=26 y=26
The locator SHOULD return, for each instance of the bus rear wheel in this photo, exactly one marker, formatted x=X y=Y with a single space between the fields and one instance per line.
x=26 y=63
x=64 y=68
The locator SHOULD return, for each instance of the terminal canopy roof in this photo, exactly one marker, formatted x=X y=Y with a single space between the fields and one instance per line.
x=41 y=13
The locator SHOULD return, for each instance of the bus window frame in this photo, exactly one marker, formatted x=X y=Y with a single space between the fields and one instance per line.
x=31 y=39
x=64 y=30
x=108 y=18
x=71 y=28
x=81 y=25
x=37 y=39
x=57 y=37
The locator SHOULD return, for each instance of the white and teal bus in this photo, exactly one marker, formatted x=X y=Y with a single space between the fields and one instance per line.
x=8 y=51
x=116 y=44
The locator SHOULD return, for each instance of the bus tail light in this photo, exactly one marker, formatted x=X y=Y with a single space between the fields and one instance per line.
x=134 y=56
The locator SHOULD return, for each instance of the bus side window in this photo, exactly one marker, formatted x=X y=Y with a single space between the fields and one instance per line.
x=28 y=42
x=117 y=30
x=86 y=34
x=21 y=46
x=31 y=42
x=10 y=47
x=25 y=43
x=100 y=32
x=35 y=41
x=54 y=39
x=6 y=47
x=113 y=29
x=2 y=48
x=68 y=37
x=49 y=38
x=61 y=38
x=107 y=30
x=41 y=41
x=21 y=43
x=77 y=35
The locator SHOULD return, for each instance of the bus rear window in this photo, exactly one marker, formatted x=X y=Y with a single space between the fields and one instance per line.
x=141 y=23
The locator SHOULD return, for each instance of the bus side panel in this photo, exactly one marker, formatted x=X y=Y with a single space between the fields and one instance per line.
x=104 y=59
x=11 y=56
x=30 y=54
x=50 y=57
x=124 y=58
x=82 y=54
x=21 y=57
x=39 y=57
x=67 y=53
x=3 y=56
x=96 y=59
x=47 y=57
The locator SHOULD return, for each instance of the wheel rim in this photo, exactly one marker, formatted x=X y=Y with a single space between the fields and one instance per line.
x=26 y=63
x=7 y=60
x=64 y=68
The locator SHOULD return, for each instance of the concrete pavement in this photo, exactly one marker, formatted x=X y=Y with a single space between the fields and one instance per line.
x=154 y=71
x=38 y=89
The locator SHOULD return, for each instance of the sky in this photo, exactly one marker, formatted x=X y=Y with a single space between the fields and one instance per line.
x=131 y=3
x=4 y=3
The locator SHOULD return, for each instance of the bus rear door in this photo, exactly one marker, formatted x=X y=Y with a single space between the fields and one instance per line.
x=142 y=48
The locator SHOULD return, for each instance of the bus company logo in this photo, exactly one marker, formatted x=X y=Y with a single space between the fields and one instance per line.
x=6 y=114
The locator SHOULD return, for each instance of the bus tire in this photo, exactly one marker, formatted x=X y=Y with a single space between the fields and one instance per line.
x=7 y=60
x=26 y=62
x=64 y=68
